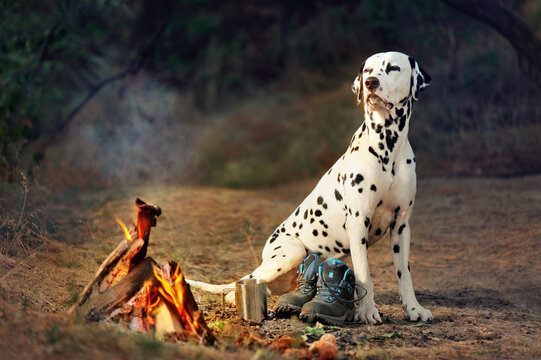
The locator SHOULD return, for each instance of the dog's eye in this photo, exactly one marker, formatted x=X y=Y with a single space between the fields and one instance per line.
x=368 y=70
x=390 y=68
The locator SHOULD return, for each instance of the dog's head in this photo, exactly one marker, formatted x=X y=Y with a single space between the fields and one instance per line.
x=388 y=80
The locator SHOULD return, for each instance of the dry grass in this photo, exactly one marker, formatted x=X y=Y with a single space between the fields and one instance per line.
x=472 y=262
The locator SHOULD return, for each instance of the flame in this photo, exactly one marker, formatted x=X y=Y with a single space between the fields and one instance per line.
x=169 y=291
x=124 y=229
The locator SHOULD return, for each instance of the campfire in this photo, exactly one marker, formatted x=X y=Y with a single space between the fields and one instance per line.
x=133 y=289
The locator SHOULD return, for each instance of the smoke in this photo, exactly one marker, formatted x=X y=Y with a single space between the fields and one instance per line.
x=134 y=132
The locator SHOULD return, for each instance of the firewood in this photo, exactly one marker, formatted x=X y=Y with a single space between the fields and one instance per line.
x=126 y=256
x=99 y=306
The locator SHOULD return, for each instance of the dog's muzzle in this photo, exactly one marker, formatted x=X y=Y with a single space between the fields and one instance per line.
x=376 y=101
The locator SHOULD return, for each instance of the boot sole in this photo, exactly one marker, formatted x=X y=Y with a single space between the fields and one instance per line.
x=284 y=310
x=312 y=317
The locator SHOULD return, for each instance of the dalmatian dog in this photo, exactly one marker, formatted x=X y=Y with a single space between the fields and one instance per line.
x=368 y=192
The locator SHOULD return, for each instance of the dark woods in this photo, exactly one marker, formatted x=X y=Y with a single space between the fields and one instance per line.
x=241 y=93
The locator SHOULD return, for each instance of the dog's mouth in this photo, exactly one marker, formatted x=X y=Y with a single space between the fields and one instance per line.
x=374 y=100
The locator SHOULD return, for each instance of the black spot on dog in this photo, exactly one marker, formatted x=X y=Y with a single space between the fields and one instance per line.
x=300 y=226
x=324 y=233
x=409 y=267
x=315 y=232
x=345 y=251
x=360 y=190
x=278 y=247
x=279 y=269
x=378 y=128
x=379 y=204
x=297 y=212
x=306 y=214
x=311 y=212
x=401 y=228
x=396 y=248
x=388 y=121
x=399 y=112
x=324 y=205
x=381 y=146
x=366 y=222
x=393 y=224
x=272 y=240
x=397 y=209
x=336 y=250
x=283 y=229
x=402 y=123
x=373 y=188
x=408 y=161
x=320 y=200
x=363 y=241
x=337 y=195
x=381 y=136
x=297 y=234
x=320 y=246
x=317 y=213
x=373 y=152
x=358 y=178
x=327 y=249
x=312 y=220
x=273 y=256
x=399 y=274
x=338 y=243
x=294 y=224
x=378 y=232
x=411 y=202
x=251 y=276
x=356 y=214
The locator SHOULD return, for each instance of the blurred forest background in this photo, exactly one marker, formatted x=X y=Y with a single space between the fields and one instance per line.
x=255 y=93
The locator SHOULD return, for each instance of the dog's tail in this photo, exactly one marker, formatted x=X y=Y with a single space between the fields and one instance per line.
x=215 y=289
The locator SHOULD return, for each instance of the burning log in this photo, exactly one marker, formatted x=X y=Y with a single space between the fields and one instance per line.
x=131 y=288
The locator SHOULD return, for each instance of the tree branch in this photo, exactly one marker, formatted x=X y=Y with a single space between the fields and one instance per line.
x=132 y=69
x=504 y=21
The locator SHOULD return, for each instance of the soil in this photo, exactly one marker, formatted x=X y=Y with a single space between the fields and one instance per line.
x=474 y=260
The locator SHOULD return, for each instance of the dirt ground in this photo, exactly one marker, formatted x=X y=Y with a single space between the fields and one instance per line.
x=474 y=259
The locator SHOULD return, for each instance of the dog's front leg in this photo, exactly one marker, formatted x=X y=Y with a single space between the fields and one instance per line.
x=400 y=243
x=358 y=238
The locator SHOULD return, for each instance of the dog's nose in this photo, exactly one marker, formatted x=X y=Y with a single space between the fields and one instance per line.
x=372 y=83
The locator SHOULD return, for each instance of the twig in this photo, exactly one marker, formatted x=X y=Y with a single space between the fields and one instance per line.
x=24 y=183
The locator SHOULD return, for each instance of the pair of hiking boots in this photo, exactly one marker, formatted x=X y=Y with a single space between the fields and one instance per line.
x=324 y=293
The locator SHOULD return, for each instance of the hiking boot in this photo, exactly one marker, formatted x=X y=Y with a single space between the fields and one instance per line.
x=334 y=300
x=292 y=302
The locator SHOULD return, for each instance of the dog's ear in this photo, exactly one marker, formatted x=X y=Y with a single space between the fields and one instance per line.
x=357 y=86
x=419 y=79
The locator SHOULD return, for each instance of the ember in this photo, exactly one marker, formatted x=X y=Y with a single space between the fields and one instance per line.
x=131 y=288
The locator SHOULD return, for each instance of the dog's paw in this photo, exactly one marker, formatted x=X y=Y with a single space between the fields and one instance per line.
x=230 y=297
x=419 y=313
x=368 y=314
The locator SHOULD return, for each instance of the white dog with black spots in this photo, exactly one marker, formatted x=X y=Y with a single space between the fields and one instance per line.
x=368 y=192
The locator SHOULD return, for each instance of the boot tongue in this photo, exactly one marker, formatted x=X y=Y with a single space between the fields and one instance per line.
x=309 y=267
x=332 y=271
